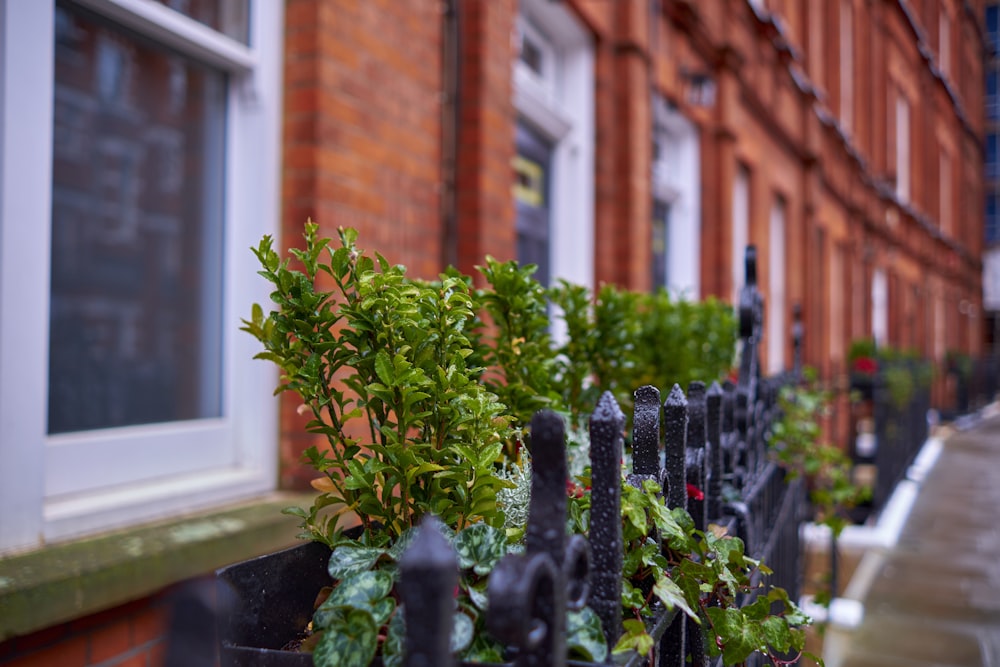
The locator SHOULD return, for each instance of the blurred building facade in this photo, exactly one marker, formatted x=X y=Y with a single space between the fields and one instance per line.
x=640 y=142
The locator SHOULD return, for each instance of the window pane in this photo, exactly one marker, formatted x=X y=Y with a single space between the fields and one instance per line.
x=230 y=17
x=531 y=195
x=135 y=312
x=661 y=241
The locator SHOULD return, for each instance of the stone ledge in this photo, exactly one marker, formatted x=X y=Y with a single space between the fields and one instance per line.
x=62 y=582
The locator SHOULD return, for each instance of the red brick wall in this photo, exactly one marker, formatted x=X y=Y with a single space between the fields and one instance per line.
x=362 y=140
x=131 y=635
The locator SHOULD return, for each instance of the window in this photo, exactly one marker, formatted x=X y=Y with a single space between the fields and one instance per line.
x=554 y=98
x=880 y=308
x=992 y=27
x=992 y=222
x=660 y=245
x=777 y=330
x=676 y=188
x=140 y=160
x=992 y=106
x=946 y=178
x=902 y=148
x=846 y=65
x=991 y=156
x=740 y=229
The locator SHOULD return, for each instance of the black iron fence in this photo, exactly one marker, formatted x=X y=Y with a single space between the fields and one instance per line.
x=977 y=382
x=713 y=439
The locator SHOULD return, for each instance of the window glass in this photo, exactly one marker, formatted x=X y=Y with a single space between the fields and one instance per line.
x=992 y=103
x=661 y=236
x=992 y=19
x=992 y=230
x=136 y=294
x=230 y=17
x=991 y=155
x=531 y=195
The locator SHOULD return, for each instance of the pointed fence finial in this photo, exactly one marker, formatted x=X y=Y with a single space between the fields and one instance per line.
x=546 y=530
x=675 y=425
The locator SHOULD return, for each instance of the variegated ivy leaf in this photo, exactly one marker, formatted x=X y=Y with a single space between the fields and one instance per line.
x=350 y=559
x=478 y=596
x=367 y=591
x=400 y=544
x=392 y=648
x=350 y=640
x=461 y=632
x=584 y=636
x=479 y=547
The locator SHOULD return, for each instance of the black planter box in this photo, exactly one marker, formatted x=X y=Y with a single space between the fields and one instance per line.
x=268 y=601
x=864 y=384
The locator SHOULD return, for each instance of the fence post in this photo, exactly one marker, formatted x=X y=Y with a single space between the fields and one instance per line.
x=529 y=594
x=606 y=425
x=716 y=464
x=695 y=455
x=673 y=646
x=428 y=569
x=646 y=438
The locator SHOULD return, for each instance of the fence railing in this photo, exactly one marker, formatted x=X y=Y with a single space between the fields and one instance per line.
x=714 y=439
x=978 y=384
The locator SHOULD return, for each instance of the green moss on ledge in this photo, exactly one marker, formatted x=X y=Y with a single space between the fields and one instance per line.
x=58 y=583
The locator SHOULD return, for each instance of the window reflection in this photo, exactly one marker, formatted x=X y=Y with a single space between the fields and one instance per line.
x=135 y=322
x=230 y=17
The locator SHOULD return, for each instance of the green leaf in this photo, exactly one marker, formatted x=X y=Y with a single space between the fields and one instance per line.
x=350 y=640
x=363 y=589
x=349 y=559
x=738 y=636
x=635 y=638
x=384 y=369
x=479 y=547
x=584 y=636
x=671 y=595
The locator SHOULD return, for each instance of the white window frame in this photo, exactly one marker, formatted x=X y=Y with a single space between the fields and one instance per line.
x=58 y=487
x=880 y=307
x=562 y=110
x=677 y=181
x=777 y=329
x=740 y=228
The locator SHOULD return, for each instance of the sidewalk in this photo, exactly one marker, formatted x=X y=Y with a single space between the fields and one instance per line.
x=934 y=599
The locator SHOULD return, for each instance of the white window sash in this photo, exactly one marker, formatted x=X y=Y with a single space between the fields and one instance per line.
x=778 y=335
x=54 y=487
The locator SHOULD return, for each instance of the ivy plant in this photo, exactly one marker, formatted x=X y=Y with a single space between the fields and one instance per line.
x=669 y=564
x=360 y=616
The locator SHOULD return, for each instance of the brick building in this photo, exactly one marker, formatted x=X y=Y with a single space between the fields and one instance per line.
x=641 y=142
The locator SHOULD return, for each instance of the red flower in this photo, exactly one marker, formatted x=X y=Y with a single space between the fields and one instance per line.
x=695 y=493
x=574 y=490
x=865 y=365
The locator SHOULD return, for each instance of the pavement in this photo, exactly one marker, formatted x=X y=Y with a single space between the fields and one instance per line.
x=932 y=596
